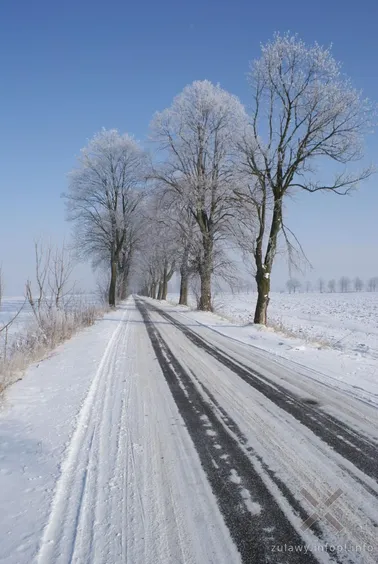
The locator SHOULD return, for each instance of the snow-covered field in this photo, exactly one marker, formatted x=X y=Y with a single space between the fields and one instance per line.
x=346 y=322
x=10 y=306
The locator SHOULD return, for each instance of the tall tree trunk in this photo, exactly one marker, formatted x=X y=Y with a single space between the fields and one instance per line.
x=184 y=285
x=264 y=268
x=160 y=291
x=124 y=279
x=206 y=261
x=166 y=278
x=205 y=298
x=113 y=282
x=165 y=290
x=123 y=289
x=153 y=290
x=205 y=276
x=263 y=288
x=164 y=283
x=184 y=282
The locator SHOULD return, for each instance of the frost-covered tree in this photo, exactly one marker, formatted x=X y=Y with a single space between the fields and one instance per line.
x=166 y=246
x=133 y=236
x=158 y=250
x=358 y=284
x=321 y=285
x=293 y=285
x=197 y=134
x=186 y=234
x=103 y=196
x=373 y=284
x=305 y=112
x=344 y=284
x=181 y=227
x=332 y=286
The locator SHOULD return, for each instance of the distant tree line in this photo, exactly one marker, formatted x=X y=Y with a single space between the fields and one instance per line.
x=344 y=284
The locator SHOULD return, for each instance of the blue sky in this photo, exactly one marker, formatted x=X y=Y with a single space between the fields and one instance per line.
x=70 y=68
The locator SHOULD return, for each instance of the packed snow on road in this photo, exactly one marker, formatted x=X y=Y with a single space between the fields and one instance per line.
x=166 y=435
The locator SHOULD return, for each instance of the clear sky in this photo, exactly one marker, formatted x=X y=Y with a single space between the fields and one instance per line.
x=69 y=68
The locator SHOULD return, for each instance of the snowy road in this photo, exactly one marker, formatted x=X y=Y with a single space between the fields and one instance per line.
x=189 y=447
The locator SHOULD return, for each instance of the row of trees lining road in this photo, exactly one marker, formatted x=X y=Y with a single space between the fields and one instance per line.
x=344 y=284
x=219 y=178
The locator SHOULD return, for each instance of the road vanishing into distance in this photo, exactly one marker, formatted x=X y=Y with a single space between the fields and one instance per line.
x=192 y=447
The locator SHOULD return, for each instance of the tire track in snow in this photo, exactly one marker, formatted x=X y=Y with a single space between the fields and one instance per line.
x=353 y=446
x=71 y=519
x=255 y=520
x=96 y=514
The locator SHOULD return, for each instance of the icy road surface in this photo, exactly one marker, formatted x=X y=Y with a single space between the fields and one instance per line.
x=150 y=439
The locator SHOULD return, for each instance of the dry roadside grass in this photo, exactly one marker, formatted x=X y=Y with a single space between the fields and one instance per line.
x=38 y=339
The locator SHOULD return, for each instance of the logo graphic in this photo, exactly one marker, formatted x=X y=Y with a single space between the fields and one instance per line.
x=321 y=510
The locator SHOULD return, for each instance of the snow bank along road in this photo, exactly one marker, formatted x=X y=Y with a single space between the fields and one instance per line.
x=190 y=447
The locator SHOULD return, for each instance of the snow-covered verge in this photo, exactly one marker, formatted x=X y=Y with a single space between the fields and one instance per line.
x=37 y=418
x=334 y=337
x=345 y=321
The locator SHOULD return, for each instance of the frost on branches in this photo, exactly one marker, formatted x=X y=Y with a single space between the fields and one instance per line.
x=103 y=199
x=304 y=109
x=198 y=134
